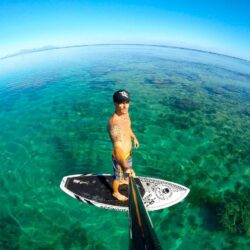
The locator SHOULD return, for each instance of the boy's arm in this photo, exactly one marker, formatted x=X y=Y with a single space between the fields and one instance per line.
x=136 y=142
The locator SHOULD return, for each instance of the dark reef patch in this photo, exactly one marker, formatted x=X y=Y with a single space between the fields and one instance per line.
x=232 y=88
x=228 y=211
x=185 y=104
x=181 y=104
x=67 y=158
x=76 y=236
x=242 y=91
x=99 y=85
x=31 y=91
x=99 y=71
x=179 y=121
x=214 y=90
x=158 y=81
x=246 y=112
x=188 y=88
x=191 y=77
x=9 y=233
x=82 y=107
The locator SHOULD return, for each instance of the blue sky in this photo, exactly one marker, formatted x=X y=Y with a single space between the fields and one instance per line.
x=219 y=26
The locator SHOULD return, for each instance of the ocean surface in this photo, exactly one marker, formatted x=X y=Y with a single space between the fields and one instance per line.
x=190 y=111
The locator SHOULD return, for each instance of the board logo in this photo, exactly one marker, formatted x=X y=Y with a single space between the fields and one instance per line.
x=80 y=182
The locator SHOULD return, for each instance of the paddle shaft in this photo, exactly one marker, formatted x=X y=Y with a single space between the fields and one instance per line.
x=142 y=234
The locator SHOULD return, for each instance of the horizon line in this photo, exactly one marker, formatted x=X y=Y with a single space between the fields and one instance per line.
x=51 y=47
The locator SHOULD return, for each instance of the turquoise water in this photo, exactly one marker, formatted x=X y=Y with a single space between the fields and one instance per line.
x=190 y=112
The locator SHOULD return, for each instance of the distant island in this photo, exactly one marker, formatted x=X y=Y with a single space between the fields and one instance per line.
x=50 y=47
x=28 y=51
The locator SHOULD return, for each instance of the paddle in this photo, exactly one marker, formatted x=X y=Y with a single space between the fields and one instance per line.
x=142 y=234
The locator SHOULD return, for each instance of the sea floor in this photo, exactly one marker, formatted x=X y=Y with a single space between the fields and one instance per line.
x=190 y=112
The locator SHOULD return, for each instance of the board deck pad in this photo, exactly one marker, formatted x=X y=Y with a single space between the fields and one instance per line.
x=97 y=190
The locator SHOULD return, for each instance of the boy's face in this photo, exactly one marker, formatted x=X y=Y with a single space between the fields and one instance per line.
x=122 y=108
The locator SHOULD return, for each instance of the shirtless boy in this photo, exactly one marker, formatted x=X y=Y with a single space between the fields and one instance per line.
x=119 y=128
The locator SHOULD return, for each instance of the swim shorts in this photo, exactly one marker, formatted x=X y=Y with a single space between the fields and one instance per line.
x=119 y=172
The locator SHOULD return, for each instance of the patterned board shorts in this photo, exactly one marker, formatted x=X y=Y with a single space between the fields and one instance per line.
x=119 y=172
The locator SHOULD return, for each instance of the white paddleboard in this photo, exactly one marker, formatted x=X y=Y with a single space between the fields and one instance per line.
x=97 y=190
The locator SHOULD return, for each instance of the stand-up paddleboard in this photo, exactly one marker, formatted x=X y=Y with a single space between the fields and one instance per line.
x=97 y=190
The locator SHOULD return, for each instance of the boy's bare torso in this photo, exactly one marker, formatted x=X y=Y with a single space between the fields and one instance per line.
x=121 y=125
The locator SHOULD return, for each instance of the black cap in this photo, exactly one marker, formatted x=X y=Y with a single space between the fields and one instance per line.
x=121 y=96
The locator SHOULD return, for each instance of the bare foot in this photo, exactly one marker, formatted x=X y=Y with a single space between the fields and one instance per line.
x=120 y=197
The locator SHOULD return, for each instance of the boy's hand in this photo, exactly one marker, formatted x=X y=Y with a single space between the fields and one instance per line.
x=130 y=172
x=136 y=143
